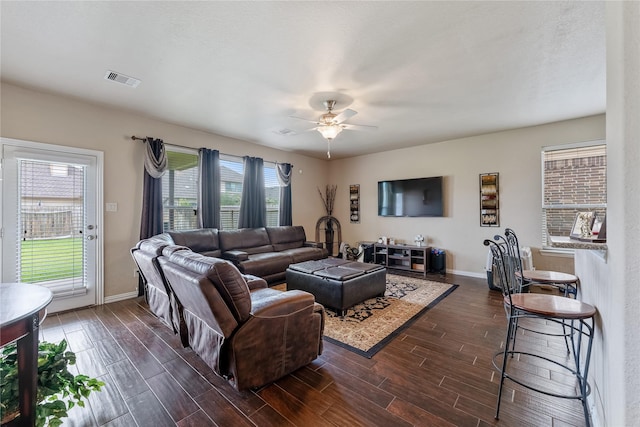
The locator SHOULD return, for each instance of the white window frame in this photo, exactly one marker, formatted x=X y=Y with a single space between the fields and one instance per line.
x=97 y=188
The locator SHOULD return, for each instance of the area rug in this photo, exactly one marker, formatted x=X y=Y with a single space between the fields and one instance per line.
x=366 y=328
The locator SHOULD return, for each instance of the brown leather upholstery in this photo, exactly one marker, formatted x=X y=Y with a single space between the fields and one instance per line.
x=264 y=252
x=158 y=292
x=160 y=297
x=286 y=237
x=249 y=240
x=202 y=240
x=338 y=283
x=268 y=251
x=291 y=240
x=250 y=336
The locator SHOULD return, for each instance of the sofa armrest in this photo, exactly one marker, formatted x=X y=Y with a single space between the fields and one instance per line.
x=283 y=334
x=235 y=256
x=255 y=282
x=319 y=245
x=268 y=302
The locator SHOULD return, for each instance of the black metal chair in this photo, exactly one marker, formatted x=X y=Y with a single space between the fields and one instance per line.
x=567 y=283
x=568 y=312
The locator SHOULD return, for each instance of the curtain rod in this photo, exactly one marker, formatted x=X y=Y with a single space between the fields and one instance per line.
x=136 y=138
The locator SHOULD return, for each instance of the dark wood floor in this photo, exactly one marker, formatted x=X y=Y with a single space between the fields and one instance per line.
x=437 y=373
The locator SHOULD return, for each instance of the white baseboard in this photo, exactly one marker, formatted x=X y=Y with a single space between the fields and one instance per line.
x=468 y=273
x=120 y=297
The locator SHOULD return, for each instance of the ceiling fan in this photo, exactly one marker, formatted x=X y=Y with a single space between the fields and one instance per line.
x=331 y=124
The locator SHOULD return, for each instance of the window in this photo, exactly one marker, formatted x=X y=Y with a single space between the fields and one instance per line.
x=51 y=212
x=180 y=190
x=272 y=194
x=231 y=178
x=574 y=180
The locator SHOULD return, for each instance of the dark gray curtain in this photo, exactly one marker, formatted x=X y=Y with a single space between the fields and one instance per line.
x=209 y=189
x=155 y=164
x=283 y=171
x=253 y=205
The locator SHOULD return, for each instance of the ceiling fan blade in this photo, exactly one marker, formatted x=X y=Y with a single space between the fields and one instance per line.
x=346 y=114
x=305 y=119
x=358 y=127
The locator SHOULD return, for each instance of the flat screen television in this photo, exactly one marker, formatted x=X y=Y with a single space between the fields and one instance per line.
x=411 y=197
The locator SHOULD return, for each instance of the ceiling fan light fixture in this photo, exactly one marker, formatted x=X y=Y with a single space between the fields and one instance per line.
x=329 y=131
x=331 y=124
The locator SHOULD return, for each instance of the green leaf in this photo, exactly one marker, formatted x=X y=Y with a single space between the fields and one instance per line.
x=54 y=382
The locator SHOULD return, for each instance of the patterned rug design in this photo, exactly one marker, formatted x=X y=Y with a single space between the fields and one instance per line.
x=368 y=327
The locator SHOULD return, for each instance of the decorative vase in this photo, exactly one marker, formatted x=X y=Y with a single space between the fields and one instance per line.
x=328 y=237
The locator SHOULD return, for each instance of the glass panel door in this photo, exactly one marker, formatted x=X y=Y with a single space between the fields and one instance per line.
x=49 y=223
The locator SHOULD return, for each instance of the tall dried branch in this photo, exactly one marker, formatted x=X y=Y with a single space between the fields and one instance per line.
x=329 y=198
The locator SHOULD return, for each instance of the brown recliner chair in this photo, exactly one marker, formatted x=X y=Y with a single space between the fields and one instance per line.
x=157 y=291
x=251 y=335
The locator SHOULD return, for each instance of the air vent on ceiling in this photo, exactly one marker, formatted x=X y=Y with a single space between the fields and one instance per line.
x=284 y=132
x=121 y=78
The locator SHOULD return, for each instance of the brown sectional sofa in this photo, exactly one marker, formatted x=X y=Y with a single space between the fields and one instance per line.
x=265 y=252
x=250 y=334
x=157 y=291
x=232 y=320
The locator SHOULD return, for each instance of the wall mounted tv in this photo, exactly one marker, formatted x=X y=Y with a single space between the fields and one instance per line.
x=411 y=197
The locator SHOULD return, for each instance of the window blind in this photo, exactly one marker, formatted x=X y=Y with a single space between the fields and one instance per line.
x=51 y=219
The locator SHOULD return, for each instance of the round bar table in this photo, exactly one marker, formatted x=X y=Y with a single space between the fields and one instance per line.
x=565 y=280
x=22 y=308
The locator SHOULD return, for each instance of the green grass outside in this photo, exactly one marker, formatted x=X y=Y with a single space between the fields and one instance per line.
x=51 y=259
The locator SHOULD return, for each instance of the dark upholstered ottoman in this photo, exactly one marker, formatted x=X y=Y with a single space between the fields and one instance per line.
x=337 y=283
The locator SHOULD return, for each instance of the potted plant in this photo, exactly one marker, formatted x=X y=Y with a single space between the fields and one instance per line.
x=58 y=389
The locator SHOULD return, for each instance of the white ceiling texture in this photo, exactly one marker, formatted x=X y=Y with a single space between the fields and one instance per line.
x=422 y=72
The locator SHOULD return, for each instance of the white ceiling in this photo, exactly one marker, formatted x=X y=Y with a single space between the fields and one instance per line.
x=421 y=72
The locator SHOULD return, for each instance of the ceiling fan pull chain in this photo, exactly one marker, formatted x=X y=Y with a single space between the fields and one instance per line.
x=328 y=148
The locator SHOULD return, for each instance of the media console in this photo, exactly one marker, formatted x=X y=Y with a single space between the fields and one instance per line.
x=403 y=257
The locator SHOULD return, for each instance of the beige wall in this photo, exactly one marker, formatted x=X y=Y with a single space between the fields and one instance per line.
x=38 y=117
x=514 y=154
x=617 y=296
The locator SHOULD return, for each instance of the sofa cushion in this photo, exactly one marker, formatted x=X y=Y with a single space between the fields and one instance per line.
x=266 y=264
x=249 y=240
x=199 y=240
x=286 y=237
x=304 y=254
x=225 y=277
x=213 y=254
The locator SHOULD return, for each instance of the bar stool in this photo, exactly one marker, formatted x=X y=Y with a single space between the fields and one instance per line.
x=568 y=283
x=571 y=313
